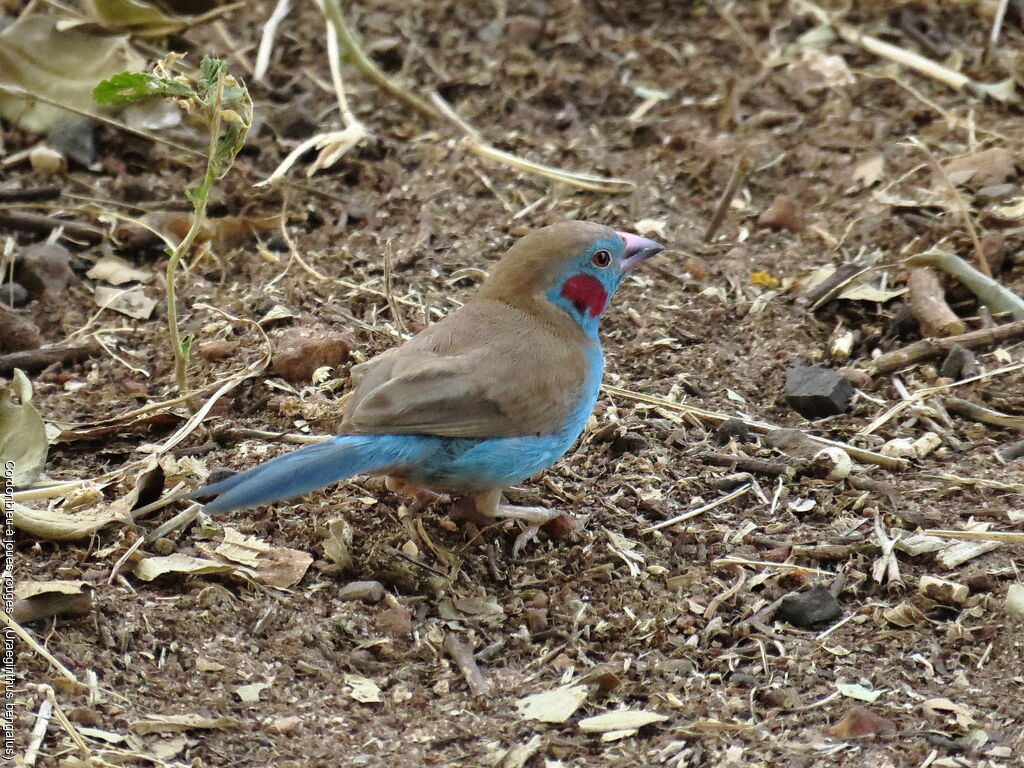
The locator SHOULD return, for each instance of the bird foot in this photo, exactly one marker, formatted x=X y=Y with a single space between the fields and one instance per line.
x=535 y=517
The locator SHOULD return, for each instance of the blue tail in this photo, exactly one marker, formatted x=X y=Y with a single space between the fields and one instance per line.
x=314 y=466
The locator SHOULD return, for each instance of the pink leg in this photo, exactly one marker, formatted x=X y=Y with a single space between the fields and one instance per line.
x=493 y=505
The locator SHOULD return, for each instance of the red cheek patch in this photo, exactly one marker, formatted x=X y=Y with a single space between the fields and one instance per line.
x=586 y=293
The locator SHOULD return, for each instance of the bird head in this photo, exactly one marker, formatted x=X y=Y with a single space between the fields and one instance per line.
x=575 y=265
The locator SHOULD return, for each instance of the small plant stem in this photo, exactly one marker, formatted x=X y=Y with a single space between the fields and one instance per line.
x=198 y=218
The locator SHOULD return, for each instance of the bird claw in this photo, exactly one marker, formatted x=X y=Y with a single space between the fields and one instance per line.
x=534 y=516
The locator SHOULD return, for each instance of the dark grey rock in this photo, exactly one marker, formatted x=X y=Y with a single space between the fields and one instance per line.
x=13 y=294
x=815 y=392
x=732 y=428
x=807 y=609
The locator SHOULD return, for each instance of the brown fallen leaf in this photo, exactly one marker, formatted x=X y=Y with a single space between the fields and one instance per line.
x=177 y=723
x=35 y=600
x=861 y=721
x=980 y=169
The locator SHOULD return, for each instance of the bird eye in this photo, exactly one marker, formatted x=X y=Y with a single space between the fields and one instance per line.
x=602 y=259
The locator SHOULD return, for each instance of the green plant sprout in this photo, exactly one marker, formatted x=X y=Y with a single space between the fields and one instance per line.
x=224 y=106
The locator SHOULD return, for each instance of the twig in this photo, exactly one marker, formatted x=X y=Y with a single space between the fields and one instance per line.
x=994 y=295
x=33 y=360
x=997 y=24
x=463 y=656
x=699 y=510
x=68 y=727
x=704 y=415
x=985 y=415
x=1005 y=537
x=722 y=561
x=438 y=110
x=44 y=225
x=30 y=195
x=739 y=173
x=921 y=64
x=267 y=39
x=928 y=348
x=929 y=307
x=38 y=732
x=396 y=316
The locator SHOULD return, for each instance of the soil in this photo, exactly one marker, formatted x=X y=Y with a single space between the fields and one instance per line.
x=678 y=621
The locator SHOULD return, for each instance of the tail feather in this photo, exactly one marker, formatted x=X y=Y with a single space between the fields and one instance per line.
x=311 y=467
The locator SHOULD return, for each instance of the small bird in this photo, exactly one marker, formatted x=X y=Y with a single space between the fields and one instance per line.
x=483 y=399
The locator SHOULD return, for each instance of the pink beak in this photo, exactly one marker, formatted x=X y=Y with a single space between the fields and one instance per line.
x=638 y=249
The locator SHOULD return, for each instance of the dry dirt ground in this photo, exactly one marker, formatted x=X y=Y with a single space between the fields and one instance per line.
x=671 y=622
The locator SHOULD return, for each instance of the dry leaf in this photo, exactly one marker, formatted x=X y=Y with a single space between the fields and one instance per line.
x=858 y=691
x=904 y=615
x=860 y=721
x=338 y=543
x=980 y=169
x=620 y=720
x=554 y=706
x=117 y=271
x=276 y=566
x=35 y=600
x=177 y=723
x=1014 y=605
x=154 y=567
x=869 y=172
x=251 y=693
x=132 y=302
x=56 y=525
x=23 y=442
x=936 y=708
x=363 y=689
x=39 y=56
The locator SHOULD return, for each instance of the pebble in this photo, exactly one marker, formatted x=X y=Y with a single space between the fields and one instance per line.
x=44 y=269
x=298 y=352
x=363 y=591
x=782 y=213
x=807 y=609
x=816 y=392
x=13 y=294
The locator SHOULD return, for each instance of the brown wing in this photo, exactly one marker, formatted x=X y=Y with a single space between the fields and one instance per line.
x=487 y=370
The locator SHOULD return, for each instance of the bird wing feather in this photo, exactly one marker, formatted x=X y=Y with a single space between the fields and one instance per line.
x=487 y=370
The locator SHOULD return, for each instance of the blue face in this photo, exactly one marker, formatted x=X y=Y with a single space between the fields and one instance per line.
x=589 y=282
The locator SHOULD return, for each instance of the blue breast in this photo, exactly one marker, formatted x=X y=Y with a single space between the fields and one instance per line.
x=466 y=465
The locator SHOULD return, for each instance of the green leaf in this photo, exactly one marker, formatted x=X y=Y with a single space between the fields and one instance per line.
x=195 y=195
x=126 y=87
x=210 y=71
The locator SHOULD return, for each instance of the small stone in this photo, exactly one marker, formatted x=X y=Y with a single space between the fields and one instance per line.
x=536 y=620
x=953 y=365
x=783 y=213
x=84 y=716
x=163 y=546
x=807 y=609
x=815 y=392
x=13 y=294
x=831 y=463
x=363 y=591
x=47 y=161
x=17 y=333
x=298 y=352
x=73 y=138
x=732 y=429
x=899 y=448
x=216 y=349
x=560 y=527
x=858 y=377
x=627 y=443
x=283 y=725
x=925 y=444
x=1014 y=605
x=995 y=193
x=395 y=621
x=44 y=269
x=980 y=582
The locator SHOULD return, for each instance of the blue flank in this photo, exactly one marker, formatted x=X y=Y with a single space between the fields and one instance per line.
x=439 y=463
